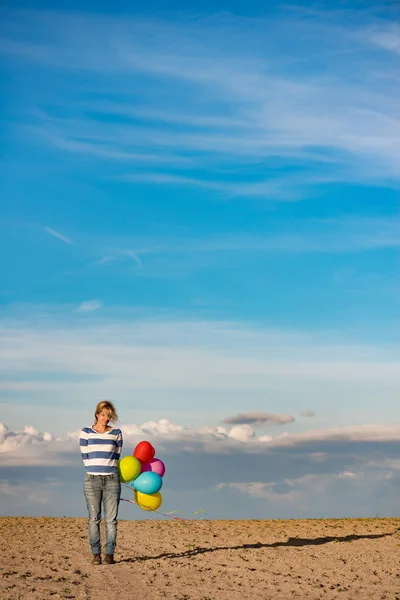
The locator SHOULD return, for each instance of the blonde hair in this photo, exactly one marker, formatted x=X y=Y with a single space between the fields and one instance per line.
x=107 y=407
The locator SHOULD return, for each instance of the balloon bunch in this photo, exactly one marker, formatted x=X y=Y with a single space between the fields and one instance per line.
x=143 y=473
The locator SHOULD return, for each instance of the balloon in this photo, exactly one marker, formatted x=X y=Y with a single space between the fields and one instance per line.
x=148 y=483
x=156 y=465
x=148 y=501
x=144 y=451
x=128 y=468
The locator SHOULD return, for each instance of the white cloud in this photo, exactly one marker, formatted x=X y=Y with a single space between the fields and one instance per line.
x=350 y=433
x=160 y=428
x=89 y=306
x=29 y=444
x=349 y=475
x=299 y=490
x=325 y=473
x=241 y=433
x=38 y=494
x=14 y=440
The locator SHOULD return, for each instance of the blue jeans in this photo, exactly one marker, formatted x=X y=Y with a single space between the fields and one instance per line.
x=104 y=489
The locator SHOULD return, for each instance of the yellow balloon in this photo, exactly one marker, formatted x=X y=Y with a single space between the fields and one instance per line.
x=148 y=501
x=129 y=468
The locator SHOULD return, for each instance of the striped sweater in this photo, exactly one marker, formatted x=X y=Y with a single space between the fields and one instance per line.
x=100 y=451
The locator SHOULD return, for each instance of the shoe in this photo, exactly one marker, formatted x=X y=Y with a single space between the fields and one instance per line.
x=96 y=559
x=109 y=559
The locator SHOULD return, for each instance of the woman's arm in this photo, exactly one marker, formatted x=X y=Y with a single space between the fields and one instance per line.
x=83 y=444
x=120 y=443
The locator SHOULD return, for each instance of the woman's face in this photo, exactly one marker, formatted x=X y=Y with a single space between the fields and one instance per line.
x=103 y=418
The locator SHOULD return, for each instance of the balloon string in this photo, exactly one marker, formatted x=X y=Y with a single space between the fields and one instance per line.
x=168 y=515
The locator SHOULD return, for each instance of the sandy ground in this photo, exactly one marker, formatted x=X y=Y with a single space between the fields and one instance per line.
x=315 y=559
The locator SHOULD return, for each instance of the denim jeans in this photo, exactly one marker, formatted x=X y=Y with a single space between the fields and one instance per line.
x=104 y=489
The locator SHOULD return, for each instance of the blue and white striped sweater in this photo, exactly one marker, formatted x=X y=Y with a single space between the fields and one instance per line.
x=100 y=451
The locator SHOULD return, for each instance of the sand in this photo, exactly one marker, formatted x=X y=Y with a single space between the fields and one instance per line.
x=316 y=559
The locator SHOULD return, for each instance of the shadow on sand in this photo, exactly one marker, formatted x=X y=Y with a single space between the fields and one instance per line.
x=291 y=542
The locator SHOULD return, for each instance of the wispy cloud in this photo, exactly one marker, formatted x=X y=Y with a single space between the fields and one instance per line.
x=237 y=97
x=135 y=256
x=283 y=188
x=330 y=236
x=188 y=353
x=223 y=367
x=89 y=306
x=388 y=38
x=308 y=414
x=58 y=235
x=104 y=260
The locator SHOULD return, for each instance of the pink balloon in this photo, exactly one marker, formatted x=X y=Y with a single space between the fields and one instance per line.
x=155 y=465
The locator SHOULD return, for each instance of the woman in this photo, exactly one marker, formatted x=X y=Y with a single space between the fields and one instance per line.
x=101 y=447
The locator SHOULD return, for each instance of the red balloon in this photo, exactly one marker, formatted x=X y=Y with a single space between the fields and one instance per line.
x=144 y=451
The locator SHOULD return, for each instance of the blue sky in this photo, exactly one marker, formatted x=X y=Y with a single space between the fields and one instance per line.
x=199 y=220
